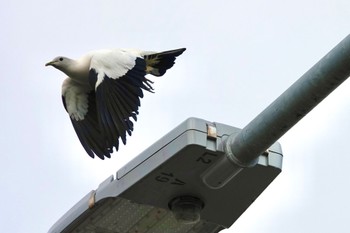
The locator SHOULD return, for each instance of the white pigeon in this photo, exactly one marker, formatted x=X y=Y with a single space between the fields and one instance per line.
x=103 y=90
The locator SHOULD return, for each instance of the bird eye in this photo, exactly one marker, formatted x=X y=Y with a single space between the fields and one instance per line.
x=61 y=59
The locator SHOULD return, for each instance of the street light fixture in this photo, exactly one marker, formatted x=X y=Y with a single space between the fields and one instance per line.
x=174 y=186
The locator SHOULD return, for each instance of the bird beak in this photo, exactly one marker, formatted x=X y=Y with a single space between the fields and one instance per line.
x=50 y=63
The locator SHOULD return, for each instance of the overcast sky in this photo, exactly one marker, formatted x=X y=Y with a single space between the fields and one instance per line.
x=240 y=56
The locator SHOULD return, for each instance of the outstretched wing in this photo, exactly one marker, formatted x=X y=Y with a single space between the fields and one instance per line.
x=80 y=104
x=119 y=78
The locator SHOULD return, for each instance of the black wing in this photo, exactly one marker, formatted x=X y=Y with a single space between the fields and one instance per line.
x=89 y=132
x=118 y=100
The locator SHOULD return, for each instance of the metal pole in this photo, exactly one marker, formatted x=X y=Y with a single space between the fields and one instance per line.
x=290 y=107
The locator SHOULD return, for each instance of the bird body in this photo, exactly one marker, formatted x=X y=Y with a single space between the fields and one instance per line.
x=102 y=93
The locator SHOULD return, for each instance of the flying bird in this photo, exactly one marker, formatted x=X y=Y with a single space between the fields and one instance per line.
x=102 y=93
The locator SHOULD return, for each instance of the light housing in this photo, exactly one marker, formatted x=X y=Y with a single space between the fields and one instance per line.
x=174 y=186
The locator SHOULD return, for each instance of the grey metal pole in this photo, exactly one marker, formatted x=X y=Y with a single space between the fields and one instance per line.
x=290 y=107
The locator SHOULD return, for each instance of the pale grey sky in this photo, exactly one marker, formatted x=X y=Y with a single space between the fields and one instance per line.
x=240 y=56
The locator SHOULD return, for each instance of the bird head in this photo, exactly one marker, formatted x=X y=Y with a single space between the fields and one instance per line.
x=57 y=61
x=61 y=63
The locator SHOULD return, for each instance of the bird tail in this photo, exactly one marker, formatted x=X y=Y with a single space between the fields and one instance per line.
x=158 y=63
